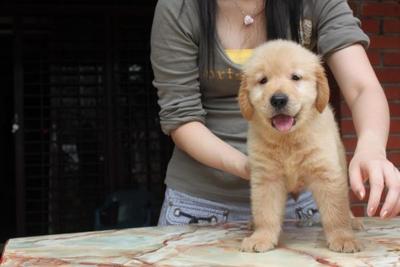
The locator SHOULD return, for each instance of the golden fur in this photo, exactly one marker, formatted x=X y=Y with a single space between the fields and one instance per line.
x=310 y=154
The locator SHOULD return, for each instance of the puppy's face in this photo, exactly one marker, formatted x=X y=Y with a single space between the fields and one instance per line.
x=281 y=85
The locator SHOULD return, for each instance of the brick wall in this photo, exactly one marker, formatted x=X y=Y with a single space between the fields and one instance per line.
x=381 y=21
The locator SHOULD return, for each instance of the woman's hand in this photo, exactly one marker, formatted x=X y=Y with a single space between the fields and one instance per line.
x=380 y=172
x=201 y=144
x=239 y=166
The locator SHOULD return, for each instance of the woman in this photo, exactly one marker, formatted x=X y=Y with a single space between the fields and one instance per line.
x=197 y=49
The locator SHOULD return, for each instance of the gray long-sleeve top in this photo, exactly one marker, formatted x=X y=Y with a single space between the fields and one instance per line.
x=186 y=94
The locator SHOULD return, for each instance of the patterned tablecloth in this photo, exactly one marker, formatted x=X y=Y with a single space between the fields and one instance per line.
x=202 y=245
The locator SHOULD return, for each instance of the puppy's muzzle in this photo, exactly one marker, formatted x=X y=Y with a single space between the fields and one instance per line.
x=279 y=101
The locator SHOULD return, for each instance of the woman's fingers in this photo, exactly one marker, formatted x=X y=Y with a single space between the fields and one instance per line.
x=356 y=180
x=376 y=181
x=392 y=181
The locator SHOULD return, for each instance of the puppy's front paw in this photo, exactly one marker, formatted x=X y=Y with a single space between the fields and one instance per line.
x=256 y=243
x=345 y=244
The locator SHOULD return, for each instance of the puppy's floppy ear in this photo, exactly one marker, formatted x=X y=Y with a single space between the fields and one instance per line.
x=244 y=102
x=322 y=89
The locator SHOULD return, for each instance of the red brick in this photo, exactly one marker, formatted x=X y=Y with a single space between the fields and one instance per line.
x=378 y=211
x=358 y=210
x=389 y=75
x=374 y=57
x=391 y=59
x=347 y=126
x=354 y=6
x=392 y=93
x=394 y=109
x=394 y=126
x=350 y=142
x=393 y=142
x=370 y=25
x=385 y=42
x=345 y=110
x=391 y=26
x=382 y=9
x=394 y=157
x=353 y=198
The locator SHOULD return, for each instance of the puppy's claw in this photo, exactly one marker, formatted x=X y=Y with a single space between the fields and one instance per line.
x=345 y=244
x=256 y=244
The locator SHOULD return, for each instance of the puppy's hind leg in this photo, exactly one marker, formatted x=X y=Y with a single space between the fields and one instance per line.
x=331 y=196
x=268 y=199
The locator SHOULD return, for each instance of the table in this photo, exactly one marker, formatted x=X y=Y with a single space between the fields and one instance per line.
x=202 y=245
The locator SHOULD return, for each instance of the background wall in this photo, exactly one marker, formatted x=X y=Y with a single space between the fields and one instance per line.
x=88 y=152
x=381 y=21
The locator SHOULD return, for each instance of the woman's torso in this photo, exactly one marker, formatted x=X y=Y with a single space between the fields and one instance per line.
x=219 y=87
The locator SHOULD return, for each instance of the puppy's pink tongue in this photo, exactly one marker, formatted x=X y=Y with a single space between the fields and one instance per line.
x=283 y=123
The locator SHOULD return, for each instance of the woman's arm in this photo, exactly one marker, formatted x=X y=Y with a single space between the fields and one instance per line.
x=365 y=97
x=174 y=57
x=200 y=143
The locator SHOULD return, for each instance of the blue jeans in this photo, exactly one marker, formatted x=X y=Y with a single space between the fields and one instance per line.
x=181 y=208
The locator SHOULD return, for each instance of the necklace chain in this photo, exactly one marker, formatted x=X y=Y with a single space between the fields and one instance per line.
x=248 y=18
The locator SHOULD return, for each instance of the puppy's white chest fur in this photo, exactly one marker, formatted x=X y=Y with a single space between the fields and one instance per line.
x=293 y=176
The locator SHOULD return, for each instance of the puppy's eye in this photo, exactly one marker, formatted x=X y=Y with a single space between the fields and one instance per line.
x=264 y=80
x=296 y=77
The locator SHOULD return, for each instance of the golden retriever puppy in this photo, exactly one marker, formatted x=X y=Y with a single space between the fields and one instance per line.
x=293 y=143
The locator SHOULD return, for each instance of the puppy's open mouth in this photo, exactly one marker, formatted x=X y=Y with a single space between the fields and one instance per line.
x=283 y=122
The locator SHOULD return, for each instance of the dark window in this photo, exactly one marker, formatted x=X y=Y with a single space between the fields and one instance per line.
x=87 y=114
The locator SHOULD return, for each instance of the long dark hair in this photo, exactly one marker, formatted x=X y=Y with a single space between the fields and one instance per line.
x=281 y=15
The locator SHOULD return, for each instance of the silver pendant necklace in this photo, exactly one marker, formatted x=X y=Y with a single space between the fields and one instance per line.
x=248 y=19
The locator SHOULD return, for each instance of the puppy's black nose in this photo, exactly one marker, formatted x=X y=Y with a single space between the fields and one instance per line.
x=279 y=100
